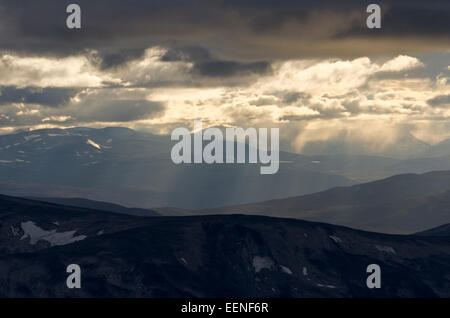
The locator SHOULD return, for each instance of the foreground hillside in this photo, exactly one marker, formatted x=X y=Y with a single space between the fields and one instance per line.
x=207 y=256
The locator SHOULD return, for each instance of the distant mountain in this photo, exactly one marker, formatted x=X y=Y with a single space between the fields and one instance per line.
x=400 y=204
x=421 y=165
x=132 y=168
x=438 y=150
x=98 y=205
x=443 y=230
x=245 y=256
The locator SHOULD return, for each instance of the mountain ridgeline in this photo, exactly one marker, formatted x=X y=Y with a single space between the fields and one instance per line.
x=400 y=204
x=131 y=168
x=245 y=256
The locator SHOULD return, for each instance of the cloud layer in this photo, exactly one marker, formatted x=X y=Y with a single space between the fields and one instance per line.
x=235 y=29
x=311 y=68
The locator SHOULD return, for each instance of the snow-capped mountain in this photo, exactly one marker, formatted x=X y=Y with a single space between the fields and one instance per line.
x=132 y=168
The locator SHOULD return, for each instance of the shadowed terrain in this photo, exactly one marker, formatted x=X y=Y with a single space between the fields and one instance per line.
x=207 y=256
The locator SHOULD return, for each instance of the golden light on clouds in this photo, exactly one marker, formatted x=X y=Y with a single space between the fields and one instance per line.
x=312 y=99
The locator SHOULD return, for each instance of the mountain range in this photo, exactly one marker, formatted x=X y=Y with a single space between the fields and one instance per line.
x=399 y=204
x=245 y=256
x=99 y=206
x=132 y=168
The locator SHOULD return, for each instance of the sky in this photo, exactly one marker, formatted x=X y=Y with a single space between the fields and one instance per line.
x=311 y=68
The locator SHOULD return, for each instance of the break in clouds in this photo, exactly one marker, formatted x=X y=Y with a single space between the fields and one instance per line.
x=313 y=70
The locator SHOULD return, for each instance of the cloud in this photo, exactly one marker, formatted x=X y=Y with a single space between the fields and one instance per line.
x=163 y=88
x=401 y=63
x=240 y=30
x=194 y=67
x=332 y=76
x=311 y=68
x=112 y=105
x=293 y=118
x=440 y=101
x=205 y=64
x=48 y=96
x=108 y=60
x=186 y=54
x=119 y=111
x=88 y=107
x=290 y=97
x=230 y=68
x=74 y=71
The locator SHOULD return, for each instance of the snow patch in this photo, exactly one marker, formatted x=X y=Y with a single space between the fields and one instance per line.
x=35 y=233
x=260 y=263
x=305 y=271
x=326 y=286
x=15 y=231
x=91 y=163
x=184 y=261
x=386 y=249
x=286 y=270
x=31 y=137
x=93 y=144
x=336 y=239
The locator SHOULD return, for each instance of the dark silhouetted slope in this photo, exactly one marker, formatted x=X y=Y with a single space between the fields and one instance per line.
x=207 y=256
x=99 y=205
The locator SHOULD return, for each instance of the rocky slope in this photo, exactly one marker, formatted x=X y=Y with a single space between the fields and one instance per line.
x=207 y=256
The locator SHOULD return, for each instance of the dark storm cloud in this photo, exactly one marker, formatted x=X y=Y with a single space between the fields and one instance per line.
x=298 y=117
x=90 y=106
x=242 y=29
x=49 y=96
x=409 y=18
x=283 y=98
x=291 y=97
x=230 y=68
x=187 y=54
x=352 y=106
x=205 y=64
x=117 y=58
x=440 y=101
